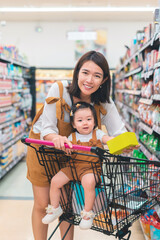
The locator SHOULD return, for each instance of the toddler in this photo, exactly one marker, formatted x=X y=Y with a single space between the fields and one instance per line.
x=84 y=121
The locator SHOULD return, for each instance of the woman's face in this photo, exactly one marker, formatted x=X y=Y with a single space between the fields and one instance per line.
x=90 y=78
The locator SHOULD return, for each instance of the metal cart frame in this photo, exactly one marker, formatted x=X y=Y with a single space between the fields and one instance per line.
x=127 y=189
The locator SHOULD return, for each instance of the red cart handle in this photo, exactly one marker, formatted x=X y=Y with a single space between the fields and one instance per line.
x=49 y=143
x=98 y=151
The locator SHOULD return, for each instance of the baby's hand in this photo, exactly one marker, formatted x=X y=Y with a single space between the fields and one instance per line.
x=109 y=138
x=106 y=138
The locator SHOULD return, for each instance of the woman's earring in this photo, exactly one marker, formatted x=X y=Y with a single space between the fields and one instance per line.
x=100 y=86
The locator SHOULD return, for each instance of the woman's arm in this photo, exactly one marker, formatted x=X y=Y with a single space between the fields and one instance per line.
x=49 y=130
x=112 y=120
x=49 y=120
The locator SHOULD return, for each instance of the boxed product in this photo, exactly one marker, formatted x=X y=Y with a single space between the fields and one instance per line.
x=121 y=142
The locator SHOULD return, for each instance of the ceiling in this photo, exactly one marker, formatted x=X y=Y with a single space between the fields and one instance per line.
x=77 y=16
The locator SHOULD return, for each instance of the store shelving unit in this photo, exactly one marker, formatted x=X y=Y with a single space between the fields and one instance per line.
x=128 y=106
x=132 y=100
x=16 y=111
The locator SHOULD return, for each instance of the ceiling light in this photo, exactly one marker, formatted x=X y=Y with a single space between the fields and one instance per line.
x=3 y=23
x=38 y=29
x=79 y=9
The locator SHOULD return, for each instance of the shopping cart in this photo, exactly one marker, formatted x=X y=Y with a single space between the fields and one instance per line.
x=128 y=186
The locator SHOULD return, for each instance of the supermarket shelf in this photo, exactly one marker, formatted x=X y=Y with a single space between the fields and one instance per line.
x=147 y=153
x=157 y=65
x=4 y=171
x=146 y=128
x=147 y=44
x=156 y=97
x=25 y=86
x=26 y=76
x=17 y=104
x=25 y=91
x=5 y=109
x=6 y=91
x=18 y=78
x=146 y=101
x=156 y=129
x=137 y=70
x=129 y=109
x=147 y=74
x=133 y=92
x=6 y=124
x=150 y=42
x=120 y=104
x=13 y=61
x=127 y=125
x=11 y=142
x=133 y=112
x=9 y=106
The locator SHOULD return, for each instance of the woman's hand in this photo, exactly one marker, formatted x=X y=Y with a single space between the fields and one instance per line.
x=130 y=149
x=58 y=141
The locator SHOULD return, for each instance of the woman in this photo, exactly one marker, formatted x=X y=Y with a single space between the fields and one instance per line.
x=91 y=83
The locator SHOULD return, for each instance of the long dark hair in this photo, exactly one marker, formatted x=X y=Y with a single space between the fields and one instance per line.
x=103 y=93
x=82 y=105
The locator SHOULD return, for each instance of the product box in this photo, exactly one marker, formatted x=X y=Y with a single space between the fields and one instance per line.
x=121 y=142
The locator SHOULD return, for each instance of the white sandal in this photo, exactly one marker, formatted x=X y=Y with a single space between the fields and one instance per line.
x=52 y=214
x=86 y=223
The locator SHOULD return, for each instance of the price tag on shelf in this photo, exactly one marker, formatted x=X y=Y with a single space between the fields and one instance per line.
x=146 y=128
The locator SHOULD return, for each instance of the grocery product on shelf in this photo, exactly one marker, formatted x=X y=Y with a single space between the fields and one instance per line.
x=45 y=78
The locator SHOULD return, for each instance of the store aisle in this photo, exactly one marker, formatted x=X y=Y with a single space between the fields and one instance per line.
x=16 y=201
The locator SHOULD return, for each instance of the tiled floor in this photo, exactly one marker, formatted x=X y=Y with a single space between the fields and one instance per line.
x=16 y=202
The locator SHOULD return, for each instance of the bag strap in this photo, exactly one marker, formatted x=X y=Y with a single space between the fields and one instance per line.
x=60 y=85
x=94 y=136
x=99 y=109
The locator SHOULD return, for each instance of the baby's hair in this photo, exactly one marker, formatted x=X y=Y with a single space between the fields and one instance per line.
x=82 y=105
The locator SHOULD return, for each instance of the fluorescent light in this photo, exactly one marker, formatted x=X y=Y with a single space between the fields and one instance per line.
x=82 y=35
x=79 y=9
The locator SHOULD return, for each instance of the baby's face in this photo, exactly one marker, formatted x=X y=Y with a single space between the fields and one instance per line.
x=84 y=121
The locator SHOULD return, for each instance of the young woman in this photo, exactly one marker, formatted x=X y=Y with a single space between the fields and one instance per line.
x=91 y=83
x=87 y=169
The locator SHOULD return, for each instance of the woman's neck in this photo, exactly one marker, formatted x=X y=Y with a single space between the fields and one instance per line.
x=83 y=98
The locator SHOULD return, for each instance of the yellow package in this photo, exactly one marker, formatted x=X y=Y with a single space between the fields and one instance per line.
x=121 y=142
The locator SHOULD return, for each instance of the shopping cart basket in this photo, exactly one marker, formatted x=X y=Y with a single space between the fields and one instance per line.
x=127 y=189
